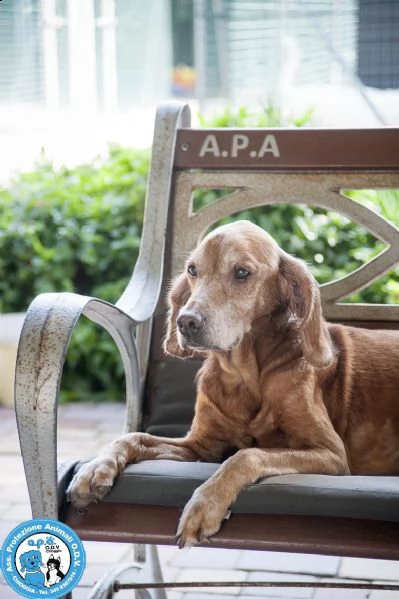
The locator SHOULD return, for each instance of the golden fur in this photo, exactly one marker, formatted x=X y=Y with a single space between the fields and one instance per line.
x=279 y=387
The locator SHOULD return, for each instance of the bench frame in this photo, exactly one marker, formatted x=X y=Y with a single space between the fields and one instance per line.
x=263 y=166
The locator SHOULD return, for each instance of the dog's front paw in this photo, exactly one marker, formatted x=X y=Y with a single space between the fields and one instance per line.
x=201 y=519
x=93 y=481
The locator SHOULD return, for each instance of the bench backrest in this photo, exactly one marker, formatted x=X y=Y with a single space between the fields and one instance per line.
x=307 y=166
x=262 y=167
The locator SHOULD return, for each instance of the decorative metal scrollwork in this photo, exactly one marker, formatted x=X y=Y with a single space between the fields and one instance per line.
x=320 y=189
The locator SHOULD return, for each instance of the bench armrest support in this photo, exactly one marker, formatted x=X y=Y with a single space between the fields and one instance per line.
x=42 y=349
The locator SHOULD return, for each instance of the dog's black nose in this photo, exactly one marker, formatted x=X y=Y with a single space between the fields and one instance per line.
x=190 y=323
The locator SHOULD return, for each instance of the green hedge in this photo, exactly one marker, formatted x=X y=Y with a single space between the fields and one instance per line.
x=72 y=229
x=79 y=229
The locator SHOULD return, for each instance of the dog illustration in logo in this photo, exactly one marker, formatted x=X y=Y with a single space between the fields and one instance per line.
x=31 y=562
x=54 y=574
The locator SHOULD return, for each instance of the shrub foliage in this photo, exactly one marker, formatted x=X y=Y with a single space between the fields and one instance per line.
x=75 y=230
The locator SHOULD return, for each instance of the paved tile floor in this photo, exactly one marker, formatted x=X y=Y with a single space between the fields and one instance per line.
x=85 y=428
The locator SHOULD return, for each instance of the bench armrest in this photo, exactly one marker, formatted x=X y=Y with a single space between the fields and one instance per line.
x=42 y=349
x=146 y=279
x=52 y=317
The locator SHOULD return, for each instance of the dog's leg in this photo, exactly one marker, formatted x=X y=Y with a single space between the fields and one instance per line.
x=95 y=479
x=206 y=510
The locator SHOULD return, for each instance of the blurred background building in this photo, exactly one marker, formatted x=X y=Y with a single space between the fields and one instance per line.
x=75 y=74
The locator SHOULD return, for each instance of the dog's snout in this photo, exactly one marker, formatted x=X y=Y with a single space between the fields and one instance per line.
x=190 y=323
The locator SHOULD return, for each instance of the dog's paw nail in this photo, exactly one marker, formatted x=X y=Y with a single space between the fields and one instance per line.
x=178 y=541
x=200 y=536
x=181 y=542
x=79 y=511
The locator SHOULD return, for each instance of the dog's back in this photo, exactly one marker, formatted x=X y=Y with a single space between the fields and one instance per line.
x=362 y=397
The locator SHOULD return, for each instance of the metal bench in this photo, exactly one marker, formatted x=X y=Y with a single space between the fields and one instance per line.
x=348 y=516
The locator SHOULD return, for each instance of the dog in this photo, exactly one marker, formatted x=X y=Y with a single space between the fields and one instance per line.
x=280 y=390
x=31 y=562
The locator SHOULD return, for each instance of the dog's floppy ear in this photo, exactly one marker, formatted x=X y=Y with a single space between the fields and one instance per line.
x=300 y=300
x=178 y=296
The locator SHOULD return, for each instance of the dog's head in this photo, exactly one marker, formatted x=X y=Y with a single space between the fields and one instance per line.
x=237 y=276
x=30 y=560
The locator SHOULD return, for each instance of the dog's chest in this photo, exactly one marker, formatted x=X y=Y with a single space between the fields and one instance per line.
x=253 y=419
x=264 y=430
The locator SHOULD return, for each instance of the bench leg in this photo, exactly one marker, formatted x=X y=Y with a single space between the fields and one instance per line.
x=147 y=568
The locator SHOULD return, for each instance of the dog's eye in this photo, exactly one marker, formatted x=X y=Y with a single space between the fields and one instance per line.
x=241 y=273
x=192 y=270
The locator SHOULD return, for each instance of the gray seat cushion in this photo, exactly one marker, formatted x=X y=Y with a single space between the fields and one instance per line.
x=169 y=405
x=169 y=483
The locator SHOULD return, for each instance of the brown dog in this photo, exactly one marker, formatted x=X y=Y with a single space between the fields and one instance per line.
x=290 y=393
